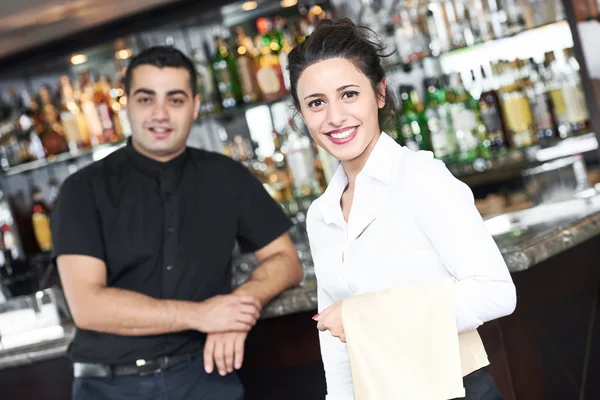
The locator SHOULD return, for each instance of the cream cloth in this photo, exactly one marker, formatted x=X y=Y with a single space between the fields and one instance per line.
x=403 y=344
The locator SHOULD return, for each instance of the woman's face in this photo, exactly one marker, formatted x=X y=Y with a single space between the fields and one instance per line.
x=340 y=108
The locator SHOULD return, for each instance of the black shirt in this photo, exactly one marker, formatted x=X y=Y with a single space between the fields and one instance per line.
x=166 y=230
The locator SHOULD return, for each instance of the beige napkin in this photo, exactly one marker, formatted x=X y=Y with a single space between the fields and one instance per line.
x=403 y=344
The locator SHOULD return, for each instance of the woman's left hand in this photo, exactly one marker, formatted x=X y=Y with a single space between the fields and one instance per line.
x=331 y=320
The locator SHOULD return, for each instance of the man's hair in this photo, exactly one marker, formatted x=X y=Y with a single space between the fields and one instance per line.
x=161 y=57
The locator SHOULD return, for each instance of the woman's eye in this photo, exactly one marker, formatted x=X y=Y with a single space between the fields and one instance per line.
x=315 y=103
x=349 y=95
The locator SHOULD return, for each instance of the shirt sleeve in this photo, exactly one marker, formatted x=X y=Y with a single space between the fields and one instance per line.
x=447 y=215
x=334 y=353
x=336 y=361
x=260 y=219
x=75 y=222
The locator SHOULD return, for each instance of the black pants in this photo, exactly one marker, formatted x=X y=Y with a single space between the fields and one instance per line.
x=187 y=381
x=480 y=385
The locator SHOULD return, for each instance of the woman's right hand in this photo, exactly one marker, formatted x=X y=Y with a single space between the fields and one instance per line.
x=330 y=320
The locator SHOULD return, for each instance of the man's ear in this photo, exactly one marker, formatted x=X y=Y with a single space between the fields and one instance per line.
x=196 y=106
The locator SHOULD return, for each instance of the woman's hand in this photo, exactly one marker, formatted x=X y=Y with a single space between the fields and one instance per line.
x=331 y=320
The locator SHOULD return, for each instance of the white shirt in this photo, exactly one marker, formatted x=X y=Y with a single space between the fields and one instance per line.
x=411 y=222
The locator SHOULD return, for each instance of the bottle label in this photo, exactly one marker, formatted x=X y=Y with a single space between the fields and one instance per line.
x=246 y=71
x=41 y=227
x=268 y=80
x=576 y=108
x=438 y=127
x=70 y=127
x=543 y=117
x=518 y=114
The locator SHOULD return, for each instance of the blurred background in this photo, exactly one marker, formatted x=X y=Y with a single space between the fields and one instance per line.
x=505 y=92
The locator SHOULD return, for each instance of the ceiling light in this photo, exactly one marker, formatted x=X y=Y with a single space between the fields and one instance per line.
x=78 y=59
x=249 y=5
x=316 y=10
x=288 y=3
x=123 y=54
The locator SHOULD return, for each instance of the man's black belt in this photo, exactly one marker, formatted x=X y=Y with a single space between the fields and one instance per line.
x=140 y=367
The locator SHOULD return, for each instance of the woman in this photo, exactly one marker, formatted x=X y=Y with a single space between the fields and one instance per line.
x=390 y=217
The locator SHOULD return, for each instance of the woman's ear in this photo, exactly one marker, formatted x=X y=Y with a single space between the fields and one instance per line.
x=381 y=89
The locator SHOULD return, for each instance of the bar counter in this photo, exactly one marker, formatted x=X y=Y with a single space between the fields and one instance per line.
x=545 y=350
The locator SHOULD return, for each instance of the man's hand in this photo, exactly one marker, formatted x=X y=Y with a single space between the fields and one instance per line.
x=225 y=350
x=331 y=320
x=226 y=313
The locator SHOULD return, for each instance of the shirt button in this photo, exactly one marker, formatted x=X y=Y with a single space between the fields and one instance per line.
x=169 y=267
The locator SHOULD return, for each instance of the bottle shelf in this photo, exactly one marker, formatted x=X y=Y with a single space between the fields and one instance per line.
x=457 y=50
x=97 y=152
x=510 y=164
x=240 y=110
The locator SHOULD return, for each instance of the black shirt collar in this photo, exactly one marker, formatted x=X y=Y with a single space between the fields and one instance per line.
x=153 y=167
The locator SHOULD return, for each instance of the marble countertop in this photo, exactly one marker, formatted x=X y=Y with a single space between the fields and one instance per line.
x=38 y=352
x=525 y=238
x=528 y=237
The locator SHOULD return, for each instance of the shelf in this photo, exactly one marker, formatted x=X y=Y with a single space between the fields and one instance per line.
x=457 y=50
x=511 y=164
x=96 y=152
x=240 y=110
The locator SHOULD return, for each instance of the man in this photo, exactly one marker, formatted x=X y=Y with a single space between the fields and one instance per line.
x=143 y=242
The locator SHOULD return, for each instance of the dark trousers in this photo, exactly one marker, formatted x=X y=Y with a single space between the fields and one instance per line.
x=480 y=385
x=187 y=381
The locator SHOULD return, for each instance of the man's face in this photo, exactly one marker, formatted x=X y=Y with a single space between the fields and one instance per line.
x=161 y=110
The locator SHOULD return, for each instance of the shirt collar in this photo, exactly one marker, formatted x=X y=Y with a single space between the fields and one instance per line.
x=153 y=167
x=379 y=166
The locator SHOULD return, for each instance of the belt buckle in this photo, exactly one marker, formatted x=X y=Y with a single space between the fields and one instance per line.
x=147 y=367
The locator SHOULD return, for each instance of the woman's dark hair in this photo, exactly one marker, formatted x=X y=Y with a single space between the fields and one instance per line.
x=161 y=57
x=343 y=39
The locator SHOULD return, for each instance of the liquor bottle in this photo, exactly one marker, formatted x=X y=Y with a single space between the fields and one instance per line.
x=498 y=19
x=464 y=119
x=205 y=82
x=10 y=241
x=10 y=136
x=41 y=220
x=573 y=92
x=541 y=101
x=52 y=137
x=225 y=69
x=408 y=130
x=269 y=74
x=437 y=115
x=118 y=101
x=73 y=122
x=559 y=105
x=491 y=114
x=27 y=124
x=102 y=102
x=246 y=55
x=516 y=108
x=299 y=155
x=90 y=111
x=413 y=121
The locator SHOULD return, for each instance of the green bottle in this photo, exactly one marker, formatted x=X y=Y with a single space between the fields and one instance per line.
x=411 y=123
x=225 y=69
x=465 y=120
x=437 y=113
